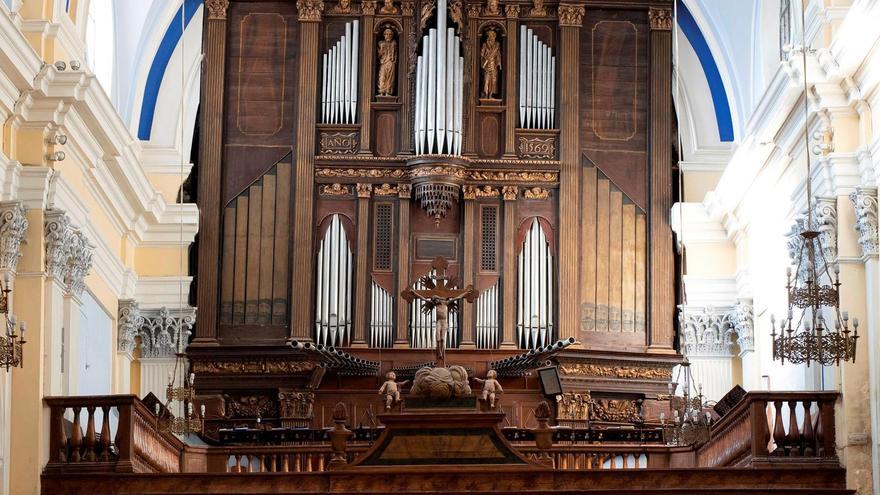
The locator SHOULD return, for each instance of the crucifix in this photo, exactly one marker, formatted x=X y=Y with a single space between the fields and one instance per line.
x=441 y=293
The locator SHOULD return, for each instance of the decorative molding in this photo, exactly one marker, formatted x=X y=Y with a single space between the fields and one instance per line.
x=296 y=408
x=128 y=324
x=385 y=189
x=509 y=193
x=335 y=189
x=339 y=143
x=537 y=147
x=253 y=367
x=536 y=193
x=217 y=9
x=616 y=410
x=617 y=371
x=13 y=226
x=455 y=172
x=69 y=254
x=474 y=192
x=163 y=333
x=571 y=15
x=364 y=190
x=660 y=19
x=572 y=406
x=865 y=203
x=310 y=10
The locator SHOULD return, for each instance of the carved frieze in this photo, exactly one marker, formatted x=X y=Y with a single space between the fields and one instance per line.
x=615 y=410
x=660 y=19
x=509 y=193
x=865 y=203
x=474 y=192
x=536 y=193
x=385 y=189
x=619 y=371
x=296 y=405
x=253 y=366
x=456 y=172
x=13 y=226
x=310 y=10
x=571 y=15
x=572 y=406
x=335 y=189
x=251 y=406
x=217 y=8
x=128 y=324
x=537 y=147
x=339 y=143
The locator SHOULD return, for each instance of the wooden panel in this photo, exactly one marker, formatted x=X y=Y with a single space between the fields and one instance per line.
x=603 y=239
x=588 y=251
x=490 y=128
x=228 y=265
x=267 y=244
x=628 y=296
x=641 y=267
x=261 y=74
x=241 y=222
x=282 y=246
x=615 y=271
x=614 y=60
x=386 y=133
x=255 y=206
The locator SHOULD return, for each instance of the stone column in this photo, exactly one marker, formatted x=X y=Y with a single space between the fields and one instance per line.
x=570 y=20
x=865 y=203
x=510 y=91
x=741 y=320
x=128 y=324
x=362 y=277
x=404 y=192
x=469 y=227
x=79 y=264
x=303 y=229
x=210 y=161
x=661 y=266
x=58 y=235
x=707 y=343
x=508 y=276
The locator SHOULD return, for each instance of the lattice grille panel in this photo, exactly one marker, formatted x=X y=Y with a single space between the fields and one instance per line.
x=489 y=238
x=383 y=232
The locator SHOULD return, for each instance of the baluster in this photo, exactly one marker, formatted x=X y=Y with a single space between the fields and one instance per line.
x=90 y=435
x=779 y=430
x=321 y=462
x=809 y=437
x=237 y=463
x=76 y=437
x=58 y=439
x=794 y=435
x=105 y=434
x=297 y=463
x=252 y=461
x=285 y=463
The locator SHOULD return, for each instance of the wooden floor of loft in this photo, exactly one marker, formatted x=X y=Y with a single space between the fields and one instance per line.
x=455 y=480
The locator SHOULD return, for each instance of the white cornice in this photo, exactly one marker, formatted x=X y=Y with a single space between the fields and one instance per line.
x=158 y=292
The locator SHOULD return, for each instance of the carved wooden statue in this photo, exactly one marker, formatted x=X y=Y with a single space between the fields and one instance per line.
x=490 y=63
x=391 y=389
x=492 y=8
x=491 y=388
x=343 y=7
x=387 y=63
x=441 y=295
x=388 y=7
x=538 y=9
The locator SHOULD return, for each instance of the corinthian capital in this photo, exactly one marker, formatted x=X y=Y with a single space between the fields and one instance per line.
x=660 y=19
x=13 y=225
x=571 y=15
x=865 y=203
x=69 y=253
x=310 y=10
x=129 y=324
x=216 y=8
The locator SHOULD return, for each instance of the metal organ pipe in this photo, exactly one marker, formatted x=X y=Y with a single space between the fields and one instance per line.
x=333 y=291
x=339 y=89
x=381 y=317
x=487 y=318
x=535 y=290
x=537 y=87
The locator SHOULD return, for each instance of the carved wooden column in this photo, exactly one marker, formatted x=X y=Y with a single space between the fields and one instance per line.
x=508 y=279
x=303 y=228
x=368 y=8
x=469 y=226
x=662 y=297
x=362 y=277
x=471 y=79
x=510 y=92
x=211 y=149
x=407 y=79
x=570 y=19
x=404 y=192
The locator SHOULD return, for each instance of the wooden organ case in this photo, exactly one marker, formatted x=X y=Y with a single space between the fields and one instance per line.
x=345 y=145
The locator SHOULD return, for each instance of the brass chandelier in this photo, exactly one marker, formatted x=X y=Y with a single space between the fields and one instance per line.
x=178 y=416
x=688 y=423
x=11 y=344
x=807 y=337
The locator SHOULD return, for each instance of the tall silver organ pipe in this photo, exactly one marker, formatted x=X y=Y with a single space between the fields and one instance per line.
x=534 y=291
x=488 y=321
x=381 y=317
x=422 y=326
x=537 y=82
x=333 y=291
x=339 y=88
x=439 y=90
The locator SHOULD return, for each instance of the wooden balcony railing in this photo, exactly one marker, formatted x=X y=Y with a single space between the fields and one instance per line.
x=275 y=458
x=126 y=441
x=771 y=427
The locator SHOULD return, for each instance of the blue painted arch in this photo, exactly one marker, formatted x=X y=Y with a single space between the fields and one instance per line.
x=695 y=37
x=160 y=62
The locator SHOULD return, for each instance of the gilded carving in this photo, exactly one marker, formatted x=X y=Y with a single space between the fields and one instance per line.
x=474 y=192
x=511 y=11
x=404 y=191
x=217 y=8
x=456 y=14
x=523 y=176
x=608 y=371
x=339 y=143
x=368 y=7
x=250 y=406
x=364 y=190
x=537 y=147
x=296 y=405
x=571 y=15
x=252 y=366
x=491 y=8
x=660 y=19
x=510 y=193
x=490 y=64
x=615 y=411
x=343 y=7
x=310 y=10
x=387 y=55
x=538 y=9
x=336 y=189
x=427 y=9
x=572 y=406
x=536 y=193
x=385 y=189
x=473 y=10
x=456 y=172
x=408 y=8
x=388 y=7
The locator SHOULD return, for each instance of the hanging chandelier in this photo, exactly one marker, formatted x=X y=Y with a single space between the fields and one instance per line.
x=805 y=336
x=178 y=416
x=11 y=344
x=688 y=424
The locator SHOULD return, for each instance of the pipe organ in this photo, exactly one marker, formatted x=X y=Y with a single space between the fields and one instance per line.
x=339 y=85
x=534 y=291
x=488 y=321
x=381 y=317
x=333 y=294
x=537 y=82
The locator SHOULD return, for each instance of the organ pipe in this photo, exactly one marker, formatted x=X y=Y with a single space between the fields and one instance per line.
x=535 y=290
x=339 y=89
x=333 y=291
x=439 y=90
x=488 y=328
x=537 y=86
x=381 y=317
x=422 y=325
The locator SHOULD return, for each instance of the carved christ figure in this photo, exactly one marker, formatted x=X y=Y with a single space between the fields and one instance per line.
x=387 y=63
x=490 y=63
